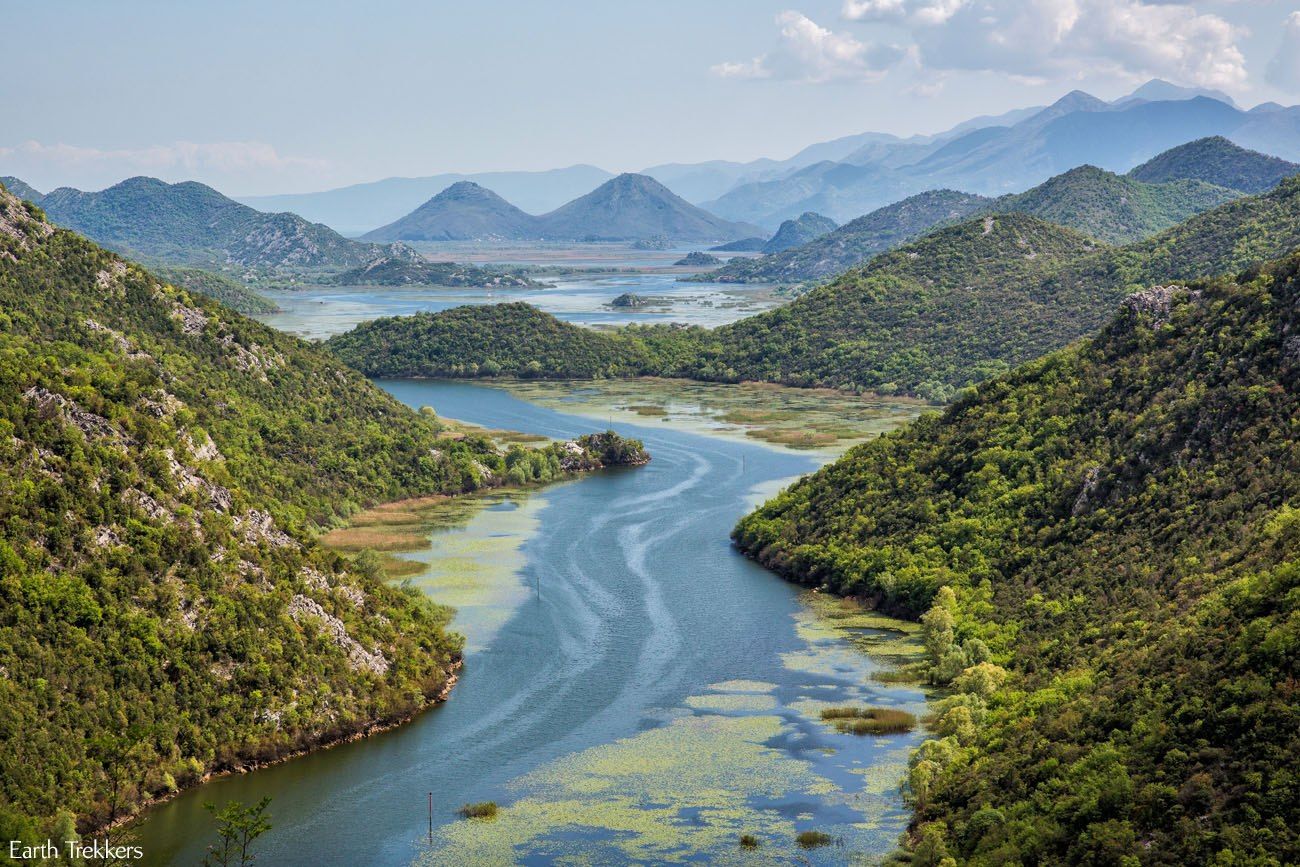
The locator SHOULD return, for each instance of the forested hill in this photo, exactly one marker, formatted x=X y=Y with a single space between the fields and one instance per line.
x=192 y=224
x=1105 y=544
x=1114 y=208
x=951 y=308
x=853 y=243
x=948 y=310
x=957 y=306
x=1110 y=207
x=1217 y=161
x=164 y=466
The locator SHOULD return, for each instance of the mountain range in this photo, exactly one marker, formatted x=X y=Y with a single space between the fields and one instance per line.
x=852 y=175
x=993 y=160
x=928 y=318
x=359 y=208
x=629 y=207
x=1166 y=190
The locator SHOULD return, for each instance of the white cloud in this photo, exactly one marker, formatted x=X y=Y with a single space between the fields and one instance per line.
x=1284 y=69
x=1044 y=38
x=809 y=52
x=214 y=162
x=755 y=68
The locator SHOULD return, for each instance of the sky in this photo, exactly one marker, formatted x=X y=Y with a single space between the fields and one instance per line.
x=284 y=96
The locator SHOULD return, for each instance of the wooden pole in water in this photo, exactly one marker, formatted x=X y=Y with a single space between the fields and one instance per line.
x=431 y=818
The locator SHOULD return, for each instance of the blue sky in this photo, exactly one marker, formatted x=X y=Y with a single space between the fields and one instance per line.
x=262 y=97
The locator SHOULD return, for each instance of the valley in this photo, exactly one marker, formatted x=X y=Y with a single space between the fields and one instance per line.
x=593 y=659
x=866 y=433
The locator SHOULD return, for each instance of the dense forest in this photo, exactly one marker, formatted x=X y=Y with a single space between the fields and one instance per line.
x=1117 y=209
x=1218 y=161
x=927 y=319
x=165 y=465
x=1102 y=548
x=218 y=287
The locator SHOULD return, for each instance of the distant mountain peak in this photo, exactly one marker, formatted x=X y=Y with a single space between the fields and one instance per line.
x=634 y=206
x=1159 y=90
x=464 y=211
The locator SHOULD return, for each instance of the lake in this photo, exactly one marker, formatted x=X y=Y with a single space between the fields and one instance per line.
x=581 y=291
x=634 y=689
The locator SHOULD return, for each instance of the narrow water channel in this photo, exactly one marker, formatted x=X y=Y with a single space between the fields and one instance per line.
x=635 y=691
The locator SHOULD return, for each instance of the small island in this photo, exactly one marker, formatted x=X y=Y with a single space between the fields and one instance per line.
x=698 y=260
x=401 y=271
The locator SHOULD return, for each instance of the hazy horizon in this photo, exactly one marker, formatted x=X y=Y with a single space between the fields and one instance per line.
x=297 y=98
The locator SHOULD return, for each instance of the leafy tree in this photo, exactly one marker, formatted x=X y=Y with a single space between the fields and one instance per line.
x=238 y=827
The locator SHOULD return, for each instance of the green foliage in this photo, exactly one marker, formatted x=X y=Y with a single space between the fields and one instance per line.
x=1112 y=208
x=813 y=839
x=1217 y=161
x=415 y=271
x=510 y=340
x=853 y=243
x=955 y=308
x=1104 y=550
x=238 y=827
x=165 y=467
x=748 y=841
x=218 y=287
x=869 y=720
x=480 y=810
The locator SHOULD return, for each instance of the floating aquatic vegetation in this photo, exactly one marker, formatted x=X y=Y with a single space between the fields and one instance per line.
x=796 y=418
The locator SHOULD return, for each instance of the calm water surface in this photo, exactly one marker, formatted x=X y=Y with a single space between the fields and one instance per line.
x=320 y=311
x=643 y=693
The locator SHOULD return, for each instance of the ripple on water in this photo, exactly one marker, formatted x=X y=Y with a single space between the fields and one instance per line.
x=747 y=757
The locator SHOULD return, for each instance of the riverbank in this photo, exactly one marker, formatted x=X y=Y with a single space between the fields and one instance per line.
x=610 y=625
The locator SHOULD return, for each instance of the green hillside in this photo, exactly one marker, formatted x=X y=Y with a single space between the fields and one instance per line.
x=192 y=224
x=853 y=243
x=403 y=270
x=1104 y=545
x=1217 y=161
x=218 y=287
x=949 y=310
x=165 y=464
x=1113 y=208
x=954 y=307
x=513 y=340
x=1101 y=204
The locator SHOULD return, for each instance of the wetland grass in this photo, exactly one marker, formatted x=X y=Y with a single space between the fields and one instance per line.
x=869 y=720
x=479 y=810
x=813 y=839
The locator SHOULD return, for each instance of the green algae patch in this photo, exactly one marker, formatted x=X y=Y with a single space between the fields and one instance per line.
x=789 y=418
x=733 y=703
x=663 y=796
x=743 y=686
x=464 y=552
x=826 y=621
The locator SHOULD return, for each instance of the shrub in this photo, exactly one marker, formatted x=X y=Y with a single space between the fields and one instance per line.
x=479 y=810
x=813 y=839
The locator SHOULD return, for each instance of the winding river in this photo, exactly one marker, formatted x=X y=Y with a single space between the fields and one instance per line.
x=635 y=690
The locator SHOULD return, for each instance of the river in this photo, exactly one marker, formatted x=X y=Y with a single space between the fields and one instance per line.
x=643 y=693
